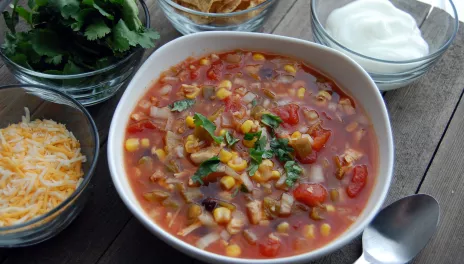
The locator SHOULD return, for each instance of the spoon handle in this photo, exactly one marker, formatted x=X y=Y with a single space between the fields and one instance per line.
x=361 y=260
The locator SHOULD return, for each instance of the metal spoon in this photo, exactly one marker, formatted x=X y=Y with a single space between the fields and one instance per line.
x=400 y=231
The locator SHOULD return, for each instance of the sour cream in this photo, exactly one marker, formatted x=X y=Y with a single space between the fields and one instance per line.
x=376 y=28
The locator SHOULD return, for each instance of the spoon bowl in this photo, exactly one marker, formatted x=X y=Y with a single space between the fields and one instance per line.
x=401 y=230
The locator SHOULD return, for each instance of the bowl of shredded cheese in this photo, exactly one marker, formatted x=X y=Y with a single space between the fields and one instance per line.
x=48 y=151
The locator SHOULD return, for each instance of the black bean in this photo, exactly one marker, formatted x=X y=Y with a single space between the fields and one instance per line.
x=209 y=204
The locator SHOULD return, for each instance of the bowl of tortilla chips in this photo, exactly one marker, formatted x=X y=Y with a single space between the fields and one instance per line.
x=190 y=16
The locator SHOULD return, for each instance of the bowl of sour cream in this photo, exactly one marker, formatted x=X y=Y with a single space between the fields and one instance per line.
x=396 y=41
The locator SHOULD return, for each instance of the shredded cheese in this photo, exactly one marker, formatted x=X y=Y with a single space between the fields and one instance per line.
x=40 y=166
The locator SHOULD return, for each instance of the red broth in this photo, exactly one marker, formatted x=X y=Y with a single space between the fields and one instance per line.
x=268 y=158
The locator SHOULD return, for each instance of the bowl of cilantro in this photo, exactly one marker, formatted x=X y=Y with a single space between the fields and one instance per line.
x=85 y=48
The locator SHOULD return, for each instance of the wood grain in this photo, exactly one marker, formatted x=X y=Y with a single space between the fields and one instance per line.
x=136 y=244
x=444 y=182
x=90 y=234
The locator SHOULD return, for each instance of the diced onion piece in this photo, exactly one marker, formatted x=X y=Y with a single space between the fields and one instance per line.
x=206 y=219
x=246 y=181
x=166 y=89
x=332 y=106
x=240 y=82
x=286 y=203
x=251 y=237
x=256 y=86
x=189 y=229
x=207 y=240
x=225 y=235
x=249 y=97
x=179 y=150
x=145 y=104
x=161 y=113
x=285 y=78
x=170 y=79
x=229 y=171
x=316 y=174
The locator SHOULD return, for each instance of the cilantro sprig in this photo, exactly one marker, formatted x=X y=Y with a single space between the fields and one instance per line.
x=181 y=105
x=205 y=169
x=258 y=152
x=293 y=171
x=201 y=121
x=230 y=140
x=74 y=36
x=281 y=149
x=271 y=121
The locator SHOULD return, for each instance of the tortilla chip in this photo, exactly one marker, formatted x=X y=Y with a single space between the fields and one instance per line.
x=201 y=5
x=229 y=6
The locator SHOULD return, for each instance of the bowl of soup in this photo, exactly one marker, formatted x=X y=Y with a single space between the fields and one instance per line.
x=243 y=147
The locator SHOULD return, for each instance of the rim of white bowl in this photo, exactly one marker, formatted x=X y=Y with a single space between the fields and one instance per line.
x=209 y=256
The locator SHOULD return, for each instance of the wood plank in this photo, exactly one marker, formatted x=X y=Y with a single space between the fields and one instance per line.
x=91 y=232
x=444 y=182
x=135 y=244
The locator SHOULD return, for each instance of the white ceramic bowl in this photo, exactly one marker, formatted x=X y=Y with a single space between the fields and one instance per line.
x=349 y=75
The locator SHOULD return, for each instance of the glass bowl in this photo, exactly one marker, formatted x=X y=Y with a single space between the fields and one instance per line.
x=46 y=103
x=438 y=28
x=88 y=88
x=188 y=21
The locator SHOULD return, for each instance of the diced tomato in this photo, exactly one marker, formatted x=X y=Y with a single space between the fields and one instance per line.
x=320 y=137
x=215 y=72
x=270 y=248
x=311 y=194
x=288 y=113
x=233 y=103
x=358 y=181
x=141 y=125
x=194 y=74
x=309 y=159
x=232 y=66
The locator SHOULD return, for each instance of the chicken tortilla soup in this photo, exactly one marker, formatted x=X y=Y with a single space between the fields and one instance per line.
x=250 y=155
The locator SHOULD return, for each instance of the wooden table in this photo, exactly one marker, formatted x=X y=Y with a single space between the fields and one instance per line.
x=428 y=129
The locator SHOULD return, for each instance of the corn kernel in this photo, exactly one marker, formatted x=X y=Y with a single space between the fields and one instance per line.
x=258 y=177
x=190 y=91
x=283 y=227
x=190 y=122
x=225 y=84
x=290 y=69
x=258 y=57
x=325 y=229
x=132 y=144
x=308 y=231
x=205 y=61
x=275 y=175
x=222 y=215
x=191 y=146
x=222 y=132
x=225 y=156
x=227 y=182
x=237 y=164
x=330 y=208
x=191 y=138
x=250 y=143
x=145 y=142
x=246 y=126
x=296 y=135
x=301 y=92
x=161 y=154
x=265 y=165
x=223 y=93
x=324 y=94
x=233 y=250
